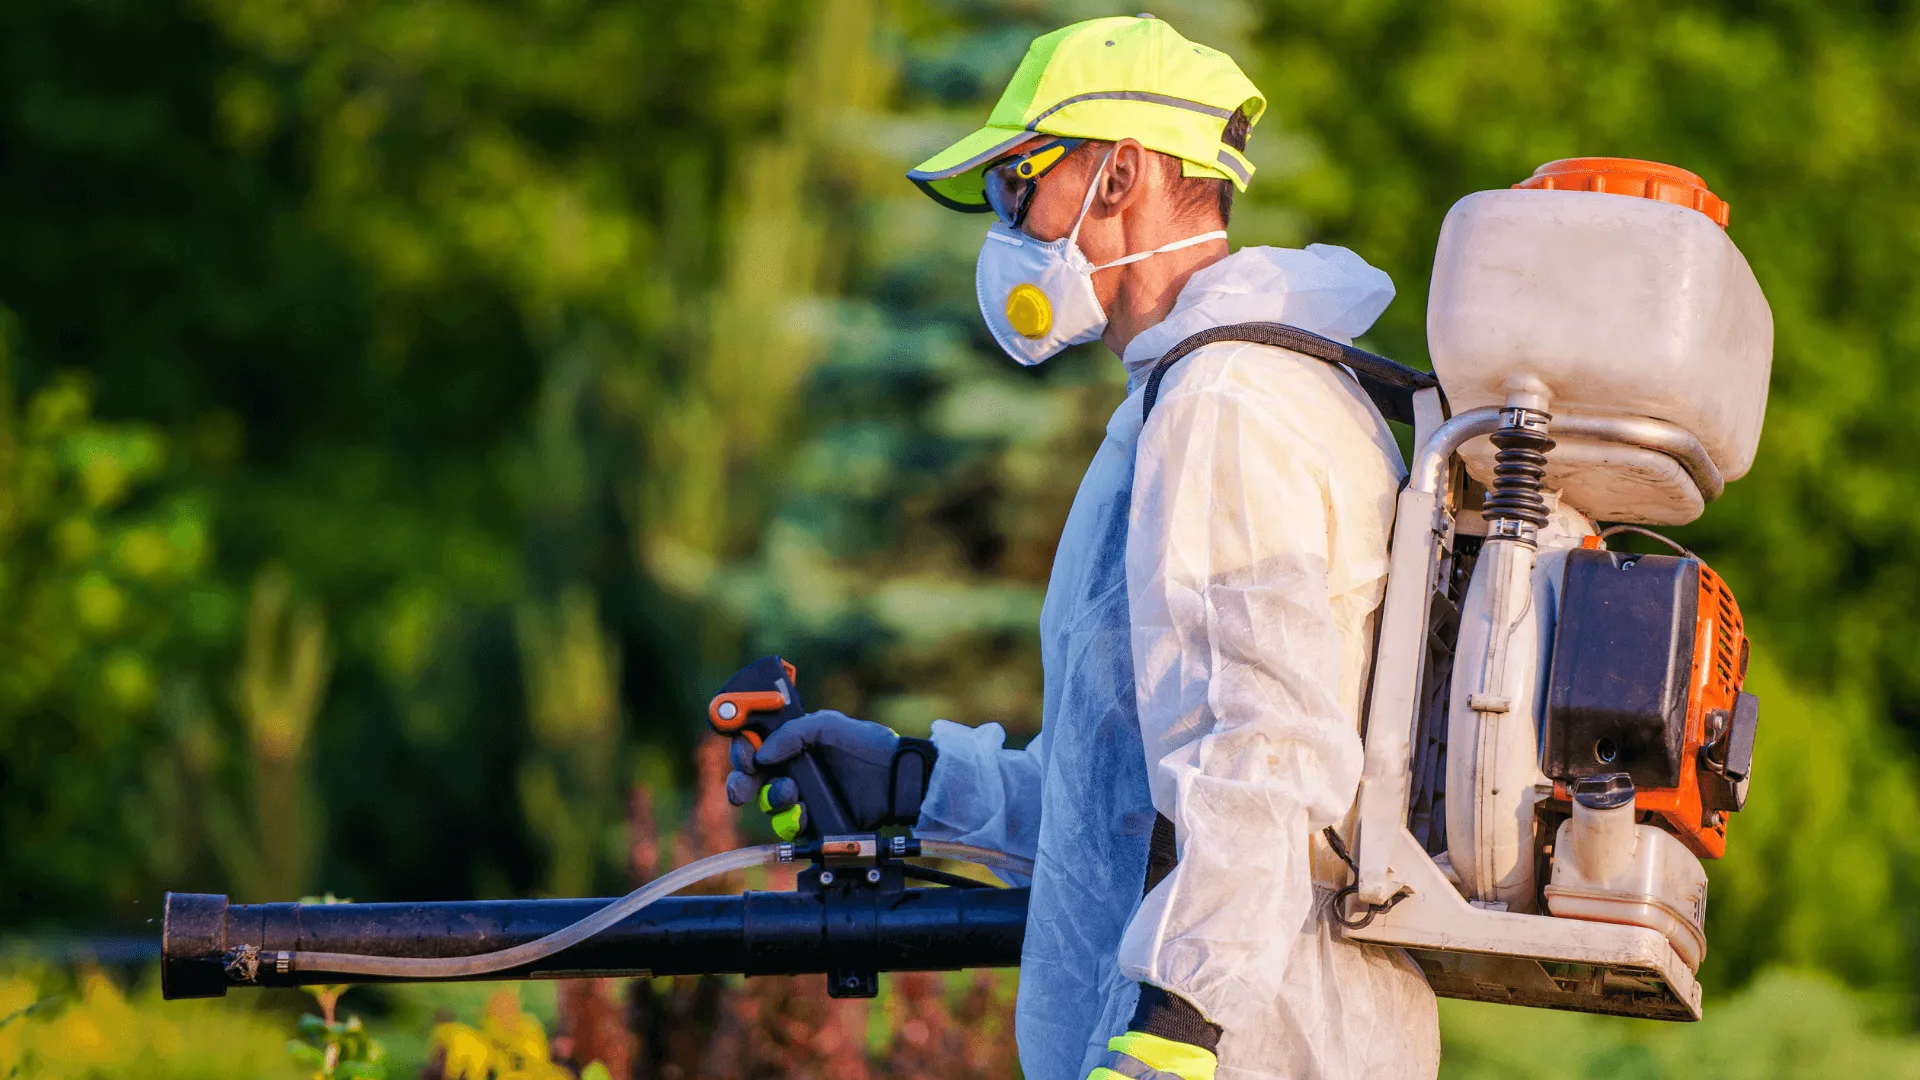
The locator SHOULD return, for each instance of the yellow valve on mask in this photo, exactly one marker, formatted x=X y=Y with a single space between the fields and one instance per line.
x=1028 y=311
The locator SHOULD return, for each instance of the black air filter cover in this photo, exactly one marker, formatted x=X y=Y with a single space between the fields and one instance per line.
x=1622 y=660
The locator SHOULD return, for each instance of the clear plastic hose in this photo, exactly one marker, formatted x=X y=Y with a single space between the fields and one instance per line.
x=999 y=860
x=460 y=967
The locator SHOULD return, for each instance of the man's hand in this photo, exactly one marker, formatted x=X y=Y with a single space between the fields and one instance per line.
x=882 y=776
x=1168 y=1039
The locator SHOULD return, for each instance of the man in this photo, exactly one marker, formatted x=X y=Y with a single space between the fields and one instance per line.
x=1208 y=625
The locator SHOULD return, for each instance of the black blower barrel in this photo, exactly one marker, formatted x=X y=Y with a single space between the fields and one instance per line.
x=208 y=944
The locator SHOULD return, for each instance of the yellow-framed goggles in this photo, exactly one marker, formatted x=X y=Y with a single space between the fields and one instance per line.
x=1011 y=183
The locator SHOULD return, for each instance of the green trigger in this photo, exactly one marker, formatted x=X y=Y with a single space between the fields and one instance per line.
x=787 y=823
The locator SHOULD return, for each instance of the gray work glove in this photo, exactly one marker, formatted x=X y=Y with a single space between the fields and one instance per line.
x=882 y=777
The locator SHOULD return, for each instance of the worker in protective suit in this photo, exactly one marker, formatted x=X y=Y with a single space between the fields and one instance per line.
x=1208 y=624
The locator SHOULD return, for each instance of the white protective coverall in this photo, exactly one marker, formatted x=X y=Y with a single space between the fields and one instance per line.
x=1206 y=638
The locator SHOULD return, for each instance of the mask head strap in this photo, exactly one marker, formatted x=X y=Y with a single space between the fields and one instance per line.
x=1086 y=204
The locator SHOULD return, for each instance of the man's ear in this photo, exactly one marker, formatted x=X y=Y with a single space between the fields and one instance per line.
x=1125 y=180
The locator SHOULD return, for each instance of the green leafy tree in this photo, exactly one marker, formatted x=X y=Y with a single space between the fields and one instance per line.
x=333 y=253
x=104 y=573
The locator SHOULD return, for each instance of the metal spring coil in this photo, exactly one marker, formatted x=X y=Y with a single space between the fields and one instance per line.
x=1519 y=466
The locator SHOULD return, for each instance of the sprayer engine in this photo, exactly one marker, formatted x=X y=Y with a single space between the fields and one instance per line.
x=1596 y=796
x=1648 y=661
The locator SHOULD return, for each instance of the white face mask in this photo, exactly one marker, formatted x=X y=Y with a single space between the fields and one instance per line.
x=1037 y=295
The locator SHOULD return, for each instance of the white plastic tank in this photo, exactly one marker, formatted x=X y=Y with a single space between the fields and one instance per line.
x=1612 y=282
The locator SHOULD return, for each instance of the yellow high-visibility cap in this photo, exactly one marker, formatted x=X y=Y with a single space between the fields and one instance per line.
x=1125 y=77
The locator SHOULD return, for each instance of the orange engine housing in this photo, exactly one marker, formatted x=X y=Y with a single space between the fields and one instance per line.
x=1720 y=654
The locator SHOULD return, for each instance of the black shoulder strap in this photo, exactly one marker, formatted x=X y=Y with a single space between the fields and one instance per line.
x=1388 y=383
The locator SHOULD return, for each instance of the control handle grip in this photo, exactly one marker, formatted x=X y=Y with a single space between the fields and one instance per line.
x=753 y=704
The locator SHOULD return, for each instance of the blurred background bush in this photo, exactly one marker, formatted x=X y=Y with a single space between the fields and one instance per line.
x=410 y=412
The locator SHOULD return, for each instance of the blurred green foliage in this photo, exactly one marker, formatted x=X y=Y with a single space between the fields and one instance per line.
x=90 y=1026
x=103 y=585
x=421 y=407
x=53 y=1031
x=1782 y=1027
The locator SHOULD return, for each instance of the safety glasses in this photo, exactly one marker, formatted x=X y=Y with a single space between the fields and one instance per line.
x=1010 y=185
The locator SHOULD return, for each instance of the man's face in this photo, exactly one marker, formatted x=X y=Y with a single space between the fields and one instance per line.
x=1133 y=209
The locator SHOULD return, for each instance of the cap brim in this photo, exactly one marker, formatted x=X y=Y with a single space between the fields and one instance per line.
x=954 y=176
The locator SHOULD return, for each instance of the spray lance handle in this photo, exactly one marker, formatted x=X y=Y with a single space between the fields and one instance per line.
x=753 y=704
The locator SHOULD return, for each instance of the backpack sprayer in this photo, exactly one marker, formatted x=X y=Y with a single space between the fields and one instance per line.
x=1556 y=732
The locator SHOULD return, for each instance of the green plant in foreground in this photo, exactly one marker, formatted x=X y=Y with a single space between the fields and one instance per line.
x=335 y=1049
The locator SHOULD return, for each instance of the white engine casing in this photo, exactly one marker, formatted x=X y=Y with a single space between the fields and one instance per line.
x=1490 y=815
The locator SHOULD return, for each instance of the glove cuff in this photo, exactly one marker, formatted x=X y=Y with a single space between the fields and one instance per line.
x=1139 y=1056
x=1173 y=1017
x=907 y=780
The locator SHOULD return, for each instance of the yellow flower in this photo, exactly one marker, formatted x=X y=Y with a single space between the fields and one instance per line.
x=469 y=1056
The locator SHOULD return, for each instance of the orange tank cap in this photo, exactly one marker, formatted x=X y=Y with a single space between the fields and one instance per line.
x=1629 y=176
